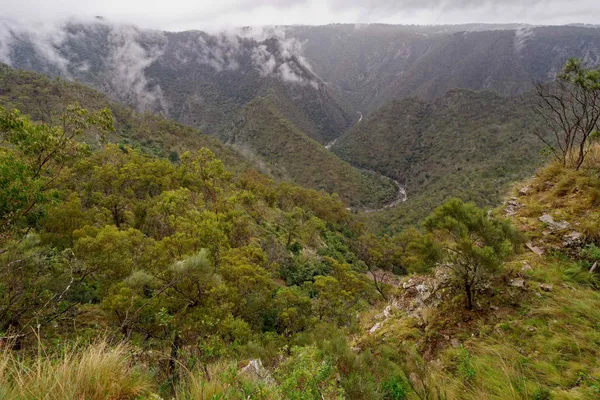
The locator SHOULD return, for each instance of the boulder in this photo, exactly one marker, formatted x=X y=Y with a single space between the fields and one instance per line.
x=375 y=328
x=548 y=220
x=520 y=283
x=525 y=190
x=387 y=311
x=526 y=267
x=257 y=372
x=512 y=207
x=572 y=239
x=546 y=287
x=537 y=250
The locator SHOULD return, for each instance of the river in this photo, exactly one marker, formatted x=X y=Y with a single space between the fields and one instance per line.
x=401 y=195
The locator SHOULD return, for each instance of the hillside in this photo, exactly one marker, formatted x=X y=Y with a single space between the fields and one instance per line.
x=44 y=99
x=534 y=334
x=199 y=79
x=389 y=62
x=266 y=140
x=132 y=277
x=264 y=132
x=465 y=144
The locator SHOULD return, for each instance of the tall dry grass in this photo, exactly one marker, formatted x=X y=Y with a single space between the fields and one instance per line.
x=95 y=372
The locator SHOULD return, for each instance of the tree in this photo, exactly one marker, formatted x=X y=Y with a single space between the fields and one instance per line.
x=204 y=172
x=35 y=158
x=570 y=107
x=474 y=243
x=381 y=257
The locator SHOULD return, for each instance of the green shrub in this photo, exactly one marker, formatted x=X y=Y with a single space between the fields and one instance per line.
x=542 y=393
x=465 y=368
x=395 y=388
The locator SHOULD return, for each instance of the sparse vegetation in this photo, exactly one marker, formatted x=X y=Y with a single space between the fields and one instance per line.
x=570 y=106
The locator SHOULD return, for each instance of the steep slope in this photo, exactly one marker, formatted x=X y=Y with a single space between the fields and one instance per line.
x=465 y=144
x=266 y=133
x=43 y=99
x=199 y=79
x=370 y=65
x=266 y=139
x=534 y=334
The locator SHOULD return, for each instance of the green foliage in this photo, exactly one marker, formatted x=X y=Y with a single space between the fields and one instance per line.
x=542 y=393
x=464 y=144
x=464 y=367
x=475 y=244
x=395 y=388
x=184 y=258
x=308 y=375
x=37 y=155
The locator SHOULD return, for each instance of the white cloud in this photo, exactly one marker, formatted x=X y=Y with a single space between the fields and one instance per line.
x=211 y=15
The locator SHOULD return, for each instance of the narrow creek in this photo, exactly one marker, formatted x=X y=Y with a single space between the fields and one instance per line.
x=401 y=195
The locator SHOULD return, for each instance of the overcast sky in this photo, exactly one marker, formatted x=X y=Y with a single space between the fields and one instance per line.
x=215 y=14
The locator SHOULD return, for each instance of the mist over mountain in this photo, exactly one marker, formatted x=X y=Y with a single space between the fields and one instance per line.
x=197 y=78
x=328 y=72
x=320 y=79
x=370 y=65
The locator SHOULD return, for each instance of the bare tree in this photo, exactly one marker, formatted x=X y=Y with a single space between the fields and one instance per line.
x=570 y=106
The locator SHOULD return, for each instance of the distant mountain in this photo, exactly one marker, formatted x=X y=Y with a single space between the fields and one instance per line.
x=370 y=65
x=465 y=144
x=196 y=78
x=280 y=93
x=327 y=73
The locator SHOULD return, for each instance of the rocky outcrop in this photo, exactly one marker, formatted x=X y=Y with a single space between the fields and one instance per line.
x=552 y=224
x=257 y=372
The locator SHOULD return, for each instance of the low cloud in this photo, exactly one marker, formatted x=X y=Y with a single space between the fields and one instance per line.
x=126 y=59
x=270 y=51
x=69 y=49
x=210 y=15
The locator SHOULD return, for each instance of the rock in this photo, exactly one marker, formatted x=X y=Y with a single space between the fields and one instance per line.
x=387 y=311
x=567 y=286
x=546 y=287
x=520 y=283
x=375 y=328
x=495 y=308
x=255 y=371
x=526 y=267
x=455 y=343
x=571 y=239
x=408 y=284
x=525 y=190
x=423 y=291
x=535 y=249
x=548 y=220
x=356 y=349
x=512 y=206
